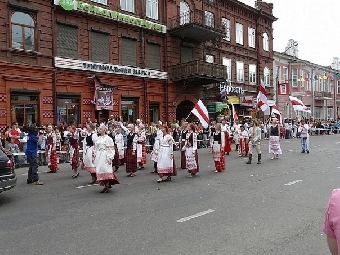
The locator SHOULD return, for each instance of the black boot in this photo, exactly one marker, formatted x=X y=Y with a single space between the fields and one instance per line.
x=259 y=159
x=249 y=159
x=236 y=147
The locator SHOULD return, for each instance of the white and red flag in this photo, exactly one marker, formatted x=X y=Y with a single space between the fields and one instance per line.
x=235 y=116
x=262 y=98
x=298 y=105
x=201 y=113
x=275 y=110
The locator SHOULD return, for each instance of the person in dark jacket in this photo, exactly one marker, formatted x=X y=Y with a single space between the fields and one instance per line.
x=33 y=140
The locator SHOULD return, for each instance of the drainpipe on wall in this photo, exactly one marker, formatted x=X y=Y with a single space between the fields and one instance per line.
x=54 y=53
x=166 y=95
x=145 y=83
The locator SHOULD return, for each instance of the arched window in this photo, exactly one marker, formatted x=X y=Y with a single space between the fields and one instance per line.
x=266 y=75
x=265 y=42
x=184 y=12
x=22 y=26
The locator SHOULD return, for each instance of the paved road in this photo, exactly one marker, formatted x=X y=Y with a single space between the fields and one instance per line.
x=273 y=208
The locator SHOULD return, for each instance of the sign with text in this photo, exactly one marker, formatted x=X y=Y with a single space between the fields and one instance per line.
x=108 y=68
x=224 y=87
x=247 y=101
x=74 y=5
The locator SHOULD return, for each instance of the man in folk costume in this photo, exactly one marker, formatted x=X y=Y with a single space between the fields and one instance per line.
x=52 y=157
x=141 y=146
x=236 y=130
x=226 y=130
x=191 y=155
x=88 y=150
x=254 y=133
x=183 y=137
x=243 y=142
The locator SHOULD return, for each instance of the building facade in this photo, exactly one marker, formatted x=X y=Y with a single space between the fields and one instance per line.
x=68 y=60
x=317 y=86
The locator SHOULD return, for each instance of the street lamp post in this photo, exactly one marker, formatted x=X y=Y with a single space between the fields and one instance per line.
x=294 y=44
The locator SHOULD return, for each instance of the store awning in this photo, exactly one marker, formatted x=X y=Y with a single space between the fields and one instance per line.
x=216 y=107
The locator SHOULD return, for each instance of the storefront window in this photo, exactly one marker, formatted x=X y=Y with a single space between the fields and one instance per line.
x=24 y=109
x=68 y=110
x=129 y=110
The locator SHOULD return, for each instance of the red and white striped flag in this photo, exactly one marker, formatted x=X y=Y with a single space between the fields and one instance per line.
x=235 y=116
x=262 y=98
x=275 y=110
x=201 y=113
x=298 y=105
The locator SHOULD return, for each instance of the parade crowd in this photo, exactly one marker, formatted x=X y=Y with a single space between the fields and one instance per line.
x=102 y=148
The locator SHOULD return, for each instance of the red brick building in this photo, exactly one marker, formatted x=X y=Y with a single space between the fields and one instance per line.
x=66 y=60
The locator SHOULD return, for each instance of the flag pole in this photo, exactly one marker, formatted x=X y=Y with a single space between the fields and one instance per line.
x=188 y=116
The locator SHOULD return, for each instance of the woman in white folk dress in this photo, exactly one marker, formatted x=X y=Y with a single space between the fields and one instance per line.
x=274 y=139
x=155 y=150
x=104 y=154
x=88 y=153
x=165 y=162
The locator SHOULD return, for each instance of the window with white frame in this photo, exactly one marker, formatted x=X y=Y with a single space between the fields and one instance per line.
x=285 y=74
x=152 y=9
x=240 y=71
x=294 y=77
x=266 y=76
x=252 y=74
x=331 y=87
x=251 y=37
x=239 y=33
x=226 y=24
x=329 y=113
x=338 y=87
x=265 y=42
x=127 y=5
x=308 y=83
x=302 y=78
x=100 y=1
x=227 y=63
x=209 y=58
x=209 y=19
x=278 y=74
x=184 y=13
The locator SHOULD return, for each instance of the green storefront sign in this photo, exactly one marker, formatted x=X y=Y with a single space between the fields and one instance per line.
x=71 y=5
x=216 y=107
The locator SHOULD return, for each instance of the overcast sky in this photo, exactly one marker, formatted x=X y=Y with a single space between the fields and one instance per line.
x=314 y=24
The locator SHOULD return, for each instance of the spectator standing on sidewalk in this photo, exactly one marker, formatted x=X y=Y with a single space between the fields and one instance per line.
x=31 y=152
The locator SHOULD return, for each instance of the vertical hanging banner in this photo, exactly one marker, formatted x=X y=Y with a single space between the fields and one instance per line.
x=102 y=96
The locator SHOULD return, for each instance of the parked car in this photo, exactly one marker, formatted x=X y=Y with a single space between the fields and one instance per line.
x=7 y=175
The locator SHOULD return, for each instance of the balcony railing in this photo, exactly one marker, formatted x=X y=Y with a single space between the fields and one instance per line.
x=321 y=95
x=197 y=25
x=199 y=72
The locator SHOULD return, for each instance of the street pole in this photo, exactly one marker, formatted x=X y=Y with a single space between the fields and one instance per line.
x=312 y=90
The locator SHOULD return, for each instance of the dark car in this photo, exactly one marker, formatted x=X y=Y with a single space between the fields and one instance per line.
x=7 y=175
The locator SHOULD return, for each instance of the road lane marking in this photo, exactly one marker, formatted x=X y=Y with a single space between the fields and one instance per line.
x=195 y=215
x=85 y=186
x=293 y=182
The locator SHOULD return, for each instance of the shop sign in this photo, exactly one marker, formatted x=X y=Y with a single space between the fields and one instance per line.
x=233 y=100
x=211 y=108
x=74 y=5
x=247 y=101
x=230 y=89
x=108 y=68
